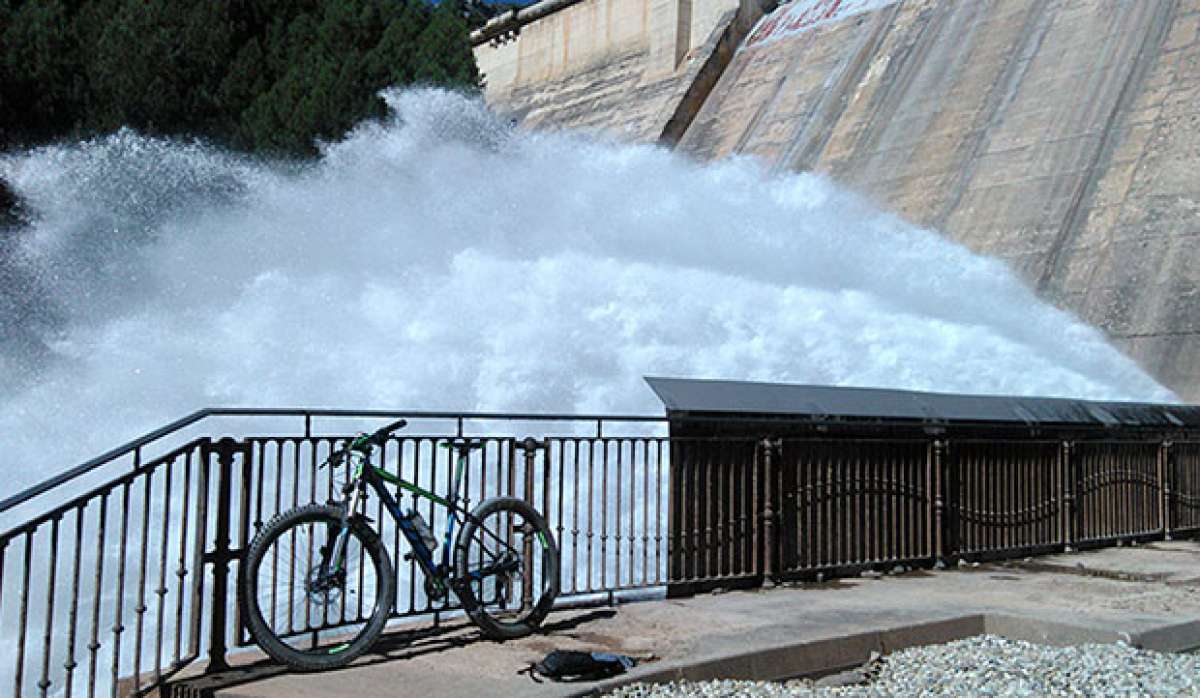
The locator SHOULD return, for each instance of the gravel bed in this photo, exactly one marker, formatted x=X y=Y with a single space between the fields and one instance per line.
x=986 y=665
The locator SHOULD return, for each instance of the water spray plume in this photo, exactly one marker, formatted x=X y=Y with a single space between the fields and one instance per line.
x=443 y=260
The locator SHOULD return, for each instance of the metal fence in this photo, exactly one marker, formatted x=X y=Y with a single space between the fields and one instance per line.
x=121 y=584
x=118 y=586
x=745 y=511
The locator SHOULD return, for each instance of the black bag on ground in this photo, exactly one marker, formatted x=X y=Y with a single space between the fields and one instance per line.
x=573 y=665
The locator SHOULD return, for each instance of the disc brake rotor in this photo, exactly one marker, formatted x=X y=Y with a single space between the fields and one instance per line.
x=322 y=592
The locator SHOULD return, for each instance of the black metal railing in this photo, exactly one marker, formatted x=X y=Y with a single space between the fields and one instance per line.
x=820 y=507
x=126 y=573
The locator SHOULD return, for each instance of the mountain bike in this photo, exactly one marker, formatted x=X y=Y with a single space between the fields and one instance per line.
x=317 y=587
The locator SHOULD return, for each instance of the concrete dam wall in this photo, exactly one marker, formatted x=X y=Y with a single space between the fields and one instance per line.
x=1062 y=136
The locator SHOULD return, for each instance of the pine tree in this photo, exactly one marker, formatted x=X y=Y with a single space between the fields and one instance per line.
x=40 y=87
x=262 y=75
x=444 y=55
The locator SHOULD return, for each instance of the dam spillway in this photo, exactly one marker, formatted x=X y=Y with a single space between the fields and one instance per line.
x=1061 y=136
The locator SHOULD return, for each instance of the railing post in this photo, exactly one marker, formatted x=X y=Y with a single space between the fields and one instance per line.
x=1165 y=467
x=220 y=556
x=1067 y=488
x=769 y=513
x=530 y=446
x=940 y=551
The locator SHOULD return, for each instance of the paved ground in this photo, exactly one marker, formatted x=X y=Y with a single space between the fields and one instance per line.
x=1150 y=594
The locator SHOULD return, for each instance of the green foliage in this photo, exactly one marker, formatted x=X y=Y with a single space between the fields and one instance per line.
x=443 y=53
x=261 y=75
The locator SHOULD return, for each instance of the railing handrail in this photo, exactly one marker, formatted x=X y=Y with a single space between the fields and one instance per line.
x=202 y=414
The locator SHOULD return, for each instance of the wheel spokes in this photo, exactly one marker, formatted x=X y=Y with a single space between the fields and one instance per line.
x=307 y=599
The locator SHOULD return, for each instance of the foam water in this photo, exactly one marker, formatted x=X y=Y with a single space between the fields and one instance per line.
x=442 y=260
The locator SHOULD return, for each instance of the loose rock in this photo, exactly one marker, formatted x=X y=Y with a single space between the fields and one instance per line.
x=982 y=665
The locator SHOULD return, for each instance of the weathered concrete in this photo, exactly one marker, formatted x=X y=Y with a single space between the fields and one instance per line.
x=792 y=631
x=1062 y=136
x=616 y=66
x=1059 y=135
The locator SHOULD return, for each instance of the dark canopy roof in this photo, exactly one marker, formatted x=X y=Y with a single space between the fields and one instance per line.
x=823 y=402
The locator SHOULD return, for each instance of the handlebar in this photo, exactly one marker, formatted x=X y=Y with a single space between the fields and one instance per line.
x=363 y=443
x=378 y=438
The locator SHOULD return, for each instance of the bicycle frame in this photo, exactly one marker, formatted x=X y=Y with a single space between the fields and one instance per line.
x=367 y=475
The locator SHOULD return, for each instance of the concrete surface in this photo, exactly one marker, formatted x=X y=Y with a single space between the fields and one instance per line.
x=1062 y=136
x=614 y=66
x=790 y=631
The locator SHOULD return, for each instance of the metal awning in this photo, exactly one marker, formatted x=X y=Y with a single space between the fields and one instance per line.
x=686 y=395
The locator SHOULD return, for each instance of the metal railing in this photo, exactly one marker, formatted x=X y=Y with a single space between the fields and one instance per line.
x=128 y=573
x=745 y=511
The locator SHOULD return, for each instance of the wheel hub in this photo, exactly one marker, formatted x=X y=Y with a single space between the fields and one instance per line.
x=324 y=589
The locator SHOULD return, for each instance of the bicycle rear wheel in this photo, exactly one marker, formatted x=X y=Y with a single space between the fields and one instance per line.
x=301 y=616
x=508 y=567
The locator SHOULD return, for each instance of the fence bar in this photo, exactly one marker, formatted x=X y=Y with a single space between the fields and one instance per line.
x=1165 y=472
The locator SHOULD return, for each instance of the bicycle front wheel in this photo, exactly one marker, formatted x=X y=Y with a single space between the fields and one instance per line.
x=506 y=566
x=304 y=609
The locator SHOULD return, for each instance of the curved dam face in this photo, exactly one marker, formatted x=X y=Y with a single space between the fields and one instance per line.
x=1062 y=136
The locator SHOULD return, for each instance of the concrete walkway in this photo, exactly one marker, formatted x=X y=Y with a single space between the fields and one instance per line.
x=1149 y=595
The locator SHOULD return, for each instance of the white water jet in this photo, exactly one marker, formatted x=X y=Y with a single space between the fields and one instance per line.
x=441 y=260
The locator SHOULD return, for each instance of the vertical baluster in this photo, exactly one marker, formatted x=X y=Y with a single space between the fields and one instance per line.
x=659 y=493
x=24 y=617
x=140 y=609
x=1091 y=507
x=1164 y=487
x=118 y=625
x=849 y=499
x=858 y=518
x=631 y=512
x=47 y=635
x=893 y=454
x=576 y=484
x=291 y=561
x=805 y=474
x=1105 y=482
x=973 y=468
x=646 y=494
x=708 y=507
x=818 y=462
x=899 y=456
x=278 y=503
x=767 y=447
x=161 y=589
x=94 y=644
x=681 y=536
x=733 y=541
x=910 y=468
x=617 y=514
x=398 y=539
x=4 y=542
x=416 y=470
x=73 y=614
x=1037 y=469
x=1108 y=486
x=604 y=507
x=562 y=505
x=871 y=489
x=591 y=452
x=928 y=502
x=1040 y=467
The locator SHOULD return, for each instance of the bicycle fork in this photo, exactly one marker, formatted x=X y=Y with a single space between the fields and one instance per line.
x=333 y=564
